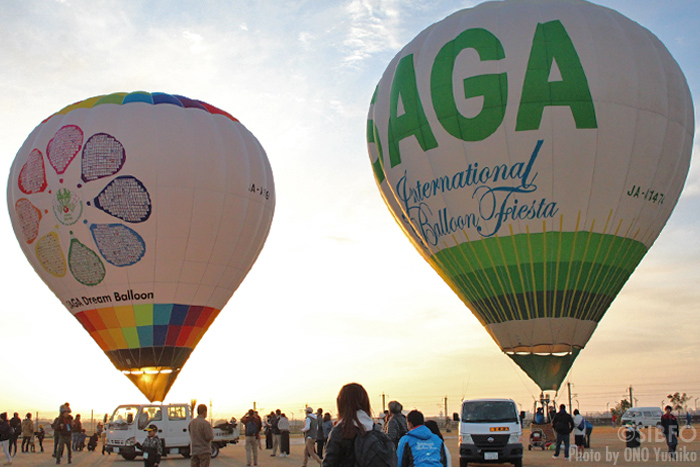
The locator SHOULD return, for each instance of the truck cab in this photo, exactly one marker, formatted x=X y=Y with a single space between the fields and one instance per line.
x=490 y=432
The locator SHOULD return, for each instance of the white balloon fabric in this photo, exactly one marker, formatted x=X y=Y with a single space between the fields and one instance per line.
x=532 y=151
x=143 y=212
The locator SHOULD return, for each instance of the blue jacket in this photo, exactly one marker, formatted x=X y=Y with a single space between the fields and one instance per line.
x=420 y=447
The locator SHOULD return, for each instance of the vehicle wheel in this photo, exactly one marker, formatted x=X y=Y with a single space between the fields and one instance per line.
x=214 y=451
x=185 y=453
x=529 y=448
x=518 y=463
x=129 y=457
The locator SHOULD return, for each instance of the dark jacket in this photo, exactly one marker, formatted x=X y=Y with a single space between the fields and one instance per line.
x=669 y=424
x=397 y=427
x=339 y=452
x=563 y=423
x=64 y=425
x=6 y=431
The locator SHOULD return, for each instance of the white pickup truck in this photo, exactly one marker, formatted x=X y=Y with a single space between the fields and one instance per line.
x=125 y=429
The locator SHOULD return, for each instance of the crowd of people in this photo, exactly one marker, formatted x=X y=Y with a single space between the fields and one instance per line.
x=395 y=440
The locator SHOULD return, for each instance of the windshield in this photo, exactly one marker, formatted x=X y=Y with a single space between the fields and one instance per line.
x=489 y=411
x=125 y=414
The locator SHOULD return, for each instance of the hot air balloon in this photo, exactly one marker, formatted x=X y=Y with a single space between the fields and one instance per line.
x=532 y=151
x=142 y=212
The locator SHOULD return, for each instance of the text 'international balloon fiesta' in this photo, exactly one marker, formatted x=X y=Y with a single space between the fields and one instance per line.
x=532 y=151
x=143 y=212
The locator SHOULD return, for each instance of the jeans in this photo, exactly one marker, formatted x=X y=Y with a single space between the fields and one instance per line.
x=63 y=440
x=567 y=445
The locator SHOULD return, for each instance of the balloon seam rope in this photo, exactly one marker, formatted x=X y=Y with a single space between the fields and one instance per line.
x=532 y=270
x=498 y=278
x=488 y=280
x=580 y=269
x=613 y=275
x=567 y=289
x=508 y=275
x=520 y=271
x=580 y=313
x=603 y=266
x=492 y=317
x=556 y=273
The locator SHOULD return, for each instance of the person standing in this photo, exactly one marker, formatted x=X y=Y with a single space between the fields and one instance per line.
x=579 y=431
x=309 y=433
x=283 y=425
x=563 y=424
x=201 y=436
x=327 y=426
x=6 y=433
x=27 y=433
x=320 y=440
x=396 y=427
x=40 y=435
x=16 y=424
x=252 y=424
x=65 y=422
x=77 y=433
x=669 y=425
x=353 y=427
x=152 y=447
x=420 y=447
x=276 y=435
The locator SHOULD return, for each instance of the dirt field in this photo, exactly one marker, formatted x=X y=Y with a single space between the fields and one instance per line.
x=607 y=449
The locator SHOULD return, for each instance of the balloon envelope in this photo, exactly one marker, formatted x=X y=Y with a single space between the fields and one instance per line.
x=532 y=151
x=143 y=212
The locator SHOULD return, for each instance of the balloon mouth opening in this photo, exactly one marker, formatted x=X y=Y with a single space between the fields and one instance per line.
x=542 y=354
x=148 y=371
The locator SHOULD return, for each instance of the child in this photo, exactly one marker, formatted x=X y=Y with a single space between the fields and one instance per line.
x=151 y=447
x=40 y=436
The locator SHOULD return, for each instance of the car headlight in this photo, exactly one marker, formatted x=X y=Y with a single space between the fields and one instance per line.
x=466 y=439
x=130 y=441
x=515 y=438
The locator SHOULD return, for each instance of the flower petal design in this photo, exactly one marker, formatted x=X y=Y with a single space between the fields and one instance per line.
x=50 y=254
x=63 y=147
x=32 y=176
x=103 y=156
x=29 y=217
x=125 y=198
x=118 y=244
x=85 y=265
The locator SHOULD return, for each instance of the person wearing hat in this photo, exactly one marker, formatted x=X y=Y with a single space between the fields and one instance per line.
x=152 y=447
x=310 y=432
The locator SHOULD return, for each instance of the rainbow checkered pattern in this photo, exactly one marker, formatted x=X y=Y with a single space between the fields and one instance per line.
x=149 y=325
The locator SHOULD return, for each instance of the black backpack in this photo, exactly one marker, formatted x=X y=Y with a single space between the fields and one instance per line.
x=375 y=449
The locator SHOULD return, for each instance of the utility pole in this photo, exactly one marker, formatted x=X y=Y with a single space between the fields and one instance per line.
x=383 y=402
x=568 y=385
x=446 y=415
x=631 y=398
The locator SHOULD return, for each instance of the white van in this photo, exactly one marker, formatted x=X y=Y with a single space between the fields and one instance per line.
x=490 y=432
x=125 y=429
x=642 y=416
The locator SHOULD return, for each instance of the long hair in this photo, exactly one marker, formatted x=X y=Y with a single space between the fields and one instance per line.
x=351 y=398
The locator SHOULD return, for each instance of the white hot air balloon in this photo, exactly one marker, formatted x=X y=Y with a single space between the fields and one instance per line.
x=532 y=151
x=143 y=212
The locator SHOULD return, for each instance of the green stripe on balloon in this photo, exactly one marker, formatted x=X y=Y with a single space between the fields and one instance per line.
x=573 y=271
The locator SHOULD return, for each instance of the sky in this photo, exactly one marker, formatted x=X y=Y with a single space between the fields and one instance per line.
x=338 y=294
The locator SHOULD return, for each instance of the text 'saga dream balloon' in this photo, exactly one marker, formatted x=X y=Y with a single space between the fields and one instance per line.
x=142 y=212
x=532 y=151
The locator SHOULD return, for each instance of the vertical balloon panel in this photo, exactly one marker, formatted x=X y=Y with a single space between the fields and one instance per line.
x=136 y=210
x=532 y=151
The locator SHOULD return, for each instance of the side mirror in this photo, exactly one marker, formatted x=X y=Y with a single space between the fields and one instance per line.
x=455 y=417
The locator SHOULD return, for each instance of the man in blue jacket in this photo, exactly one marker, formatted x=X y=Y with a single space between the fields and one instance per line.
x=420 y=447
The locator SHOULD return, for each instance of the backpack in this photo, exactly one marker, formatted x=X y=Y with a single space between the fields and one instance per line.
x=251 y=428
x=375 y=449
x=582 y=425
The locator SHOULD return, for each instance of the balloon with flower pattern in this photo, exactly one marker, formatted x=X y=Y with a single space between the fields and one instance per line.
x=143 y=212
